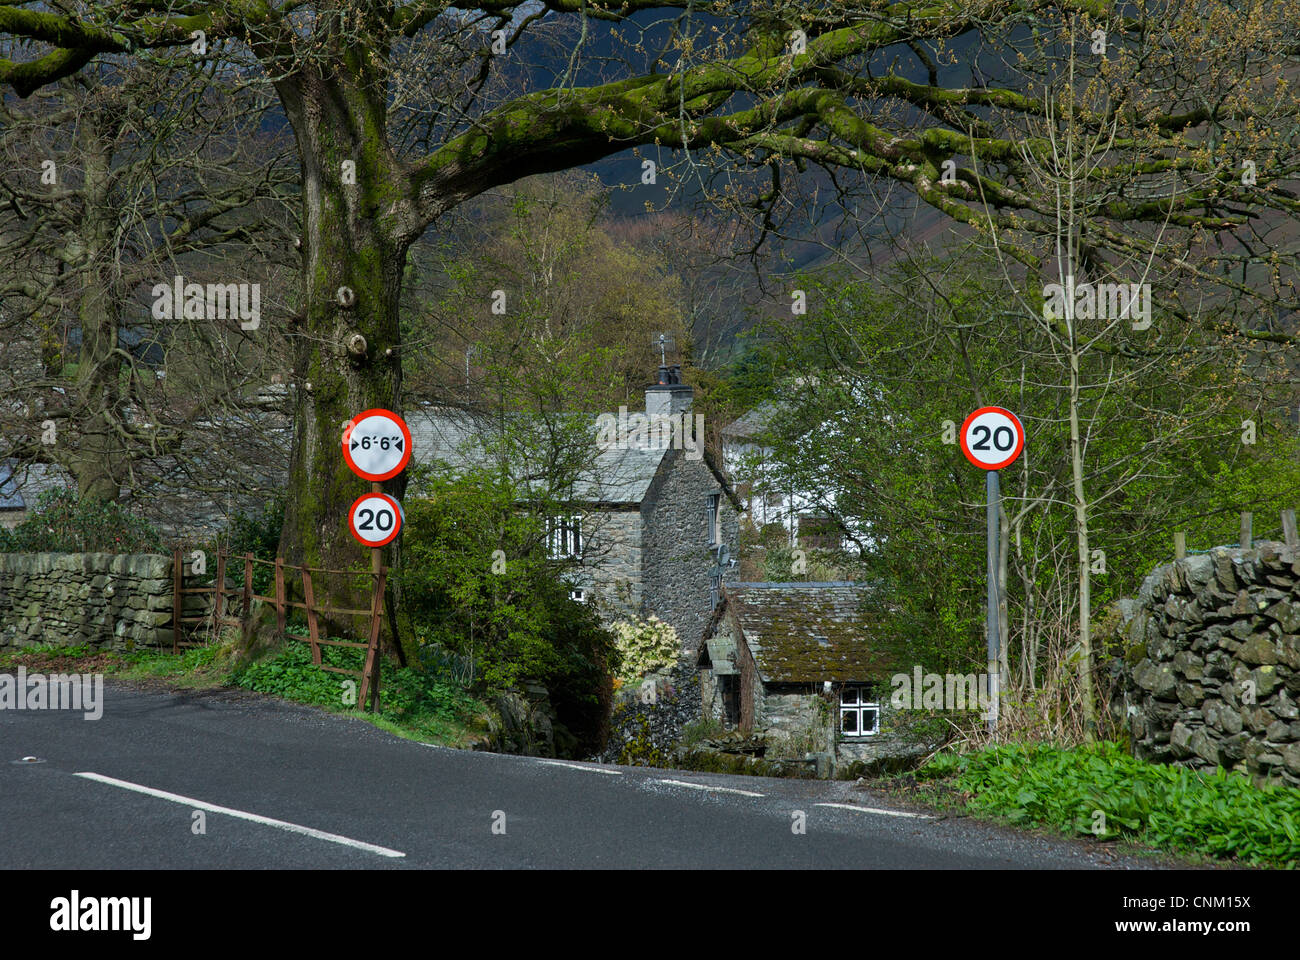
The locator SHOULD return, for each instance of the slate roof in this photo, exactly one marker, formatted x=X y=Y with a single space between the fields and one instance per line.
x=22 y=485
x=806 y=632
x=619 y=475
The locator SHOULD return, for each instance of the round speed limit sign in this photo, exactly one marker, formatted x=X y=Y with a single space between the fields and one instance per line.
x=992 y=438
x=375 y=519
x=377 y=445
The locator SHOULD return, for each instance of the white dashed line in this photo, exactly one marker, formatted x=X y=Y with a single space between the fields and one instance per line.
x=579 y=766
x=705 y=786
x=243 y=815
x=883 y=813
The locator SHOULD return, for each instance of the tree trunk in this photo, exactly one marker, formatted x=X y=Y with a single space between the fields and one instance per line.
x=1081 y=534
x=347 y=354
x=99 y=460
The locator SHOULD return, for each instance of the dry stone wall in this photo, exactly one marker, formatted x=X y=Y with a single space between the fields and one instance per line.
x=110 y=601
x=1211 y=671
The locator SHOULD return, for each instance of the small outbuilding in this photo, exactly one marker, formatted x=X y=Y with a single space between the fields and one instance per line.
x=794 y=663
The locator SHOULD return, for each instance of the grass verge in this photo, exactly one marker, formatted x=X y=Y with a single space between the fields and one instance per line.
x=413 y=704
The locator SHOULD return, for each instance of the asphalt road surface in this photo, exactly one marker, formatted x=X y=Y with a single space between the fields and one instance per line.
x=277 y=785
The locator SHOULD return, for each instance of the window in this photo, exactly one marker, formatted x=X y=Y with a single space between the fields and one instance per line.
x=859 y=713
x=565 y=538
x=713 y=515
x=578 y=595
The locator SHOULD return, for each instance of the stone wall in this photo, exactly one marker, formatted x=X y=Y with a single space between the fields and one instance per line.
x=107 y=600
x=612 y=563
x=677 y=554
x=1211 y=669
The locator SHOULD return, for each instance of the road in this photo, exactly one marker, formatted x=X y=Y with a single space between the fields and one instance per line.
x=278 y=785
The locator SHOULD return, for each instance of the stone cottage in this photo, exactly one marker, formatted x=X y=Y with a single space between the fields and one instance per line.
x=651 y=519
x=794 y=662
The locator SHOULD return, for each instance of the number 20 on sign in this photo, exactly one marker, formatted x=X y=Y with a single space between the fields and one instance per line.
x=375 y=519
x=992 y=438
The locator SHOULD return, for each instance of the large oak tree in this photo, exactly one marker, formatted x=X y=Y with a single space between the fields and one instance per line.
x=425 y=104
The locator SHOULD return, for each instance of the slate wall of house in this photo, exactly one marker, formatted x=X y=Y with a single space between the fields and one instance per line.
x=786 y=713
x=614 y=550
x=678 y=558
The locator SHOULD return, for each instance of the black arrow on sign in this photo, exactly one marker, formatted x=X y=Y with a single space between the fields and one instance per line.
x=399 y=444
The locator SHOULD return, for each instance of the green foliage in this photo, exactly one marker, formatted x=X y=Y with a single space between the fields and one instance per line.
x=1221 y=814
x=876 y=368
x=63 y=523
x=258 y=534
x=644 y=646
x=406 y=694
x=516 y=625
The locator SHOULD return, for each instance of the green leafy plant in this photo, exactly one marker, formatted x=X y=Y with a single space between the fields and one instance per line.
x=63 y=523
x=1102 y=791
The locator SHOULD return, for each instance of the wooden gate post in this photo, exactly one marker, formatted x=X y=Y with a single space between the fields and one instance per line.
x=177 y=573
x=248 y=589
x=313 y=630
x=219 y=597
x=279 y=596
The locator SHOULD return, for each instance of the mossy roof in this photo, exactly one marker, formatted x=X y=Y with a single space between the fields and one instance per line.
x=807 y=632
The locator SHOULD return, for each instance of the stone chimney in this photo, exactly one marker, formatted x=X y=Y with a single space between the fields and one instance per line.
x=669 y=396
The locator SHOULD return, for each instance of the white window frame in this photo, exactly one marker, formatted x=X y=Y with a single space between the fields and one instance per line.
x=578 y=595
x=564 y=538
x=858 y=706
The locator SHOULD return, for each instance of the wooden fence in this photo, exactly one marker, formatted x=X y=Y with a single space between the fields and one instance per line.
x=223 y=596
x=1247 y=539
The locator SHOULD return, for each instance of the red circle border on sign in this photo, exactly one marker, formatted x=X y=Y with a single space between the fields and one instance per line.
x=397 y=525
x=406 y=438
x=1020 y=438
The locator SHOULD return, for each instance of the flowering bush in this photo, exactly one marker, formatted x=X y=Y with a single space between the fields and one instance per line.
x=645 y=646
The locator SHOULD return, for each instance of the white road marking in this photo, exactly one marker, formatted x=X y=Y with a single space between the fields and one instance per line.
x=883 y=813
x=579 y=766
x=705 y=786
x=243 y=815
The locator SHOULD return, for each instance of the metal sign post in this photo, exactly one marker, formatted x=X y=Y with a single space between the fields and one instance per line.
x=992 y=438
x=994 y=631
x=376 y=447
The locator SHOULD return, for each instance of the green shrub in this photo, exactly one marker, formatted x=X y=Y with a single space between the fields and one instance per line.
x=258 y=534
x=63 y=523
x=406 y=693
x=477 y=583
x=1218 y=814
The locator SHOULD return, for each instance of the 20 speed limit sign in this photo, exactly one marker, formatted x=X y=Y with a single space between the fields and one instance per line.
x=375 y=519
x=377 y=445
x=992 y=438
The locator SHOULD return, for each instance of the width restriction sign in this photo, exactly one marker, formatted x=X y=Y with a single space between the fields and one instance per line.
x=377 y=445
x=992 y=438
x=375 y=519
